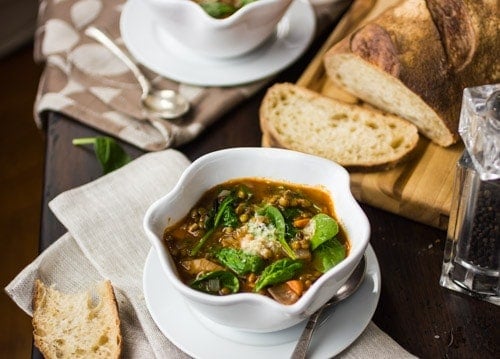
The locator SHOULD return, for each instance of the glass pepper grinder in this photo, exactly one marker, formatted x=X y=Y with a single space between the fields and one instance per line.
x=472 y=249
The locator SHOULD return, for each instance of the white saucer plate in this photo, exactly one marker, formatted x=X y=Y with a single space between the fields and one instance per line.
x=201 y=338
x=158 y=51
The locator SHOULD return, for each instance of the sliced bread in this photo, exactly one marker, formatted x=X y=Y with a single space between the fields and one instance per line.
x=416 y=58
x=356 y=137
x=77 y=325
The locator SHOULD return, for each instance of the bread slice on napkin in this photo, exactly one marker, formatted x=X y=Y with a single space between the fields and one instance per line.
x=356 y=137
x=77 y=325
x=416 y=58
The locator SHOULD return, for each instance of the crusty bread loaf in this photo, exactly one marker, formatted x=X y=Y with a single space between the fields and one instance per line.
x=415 y=59
x=299 y=119
x=79 y=325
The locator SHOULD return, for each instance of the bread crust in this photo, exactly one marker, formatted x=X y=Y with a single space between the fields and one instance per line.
x=433 y=48
x=45 y=309
x=284 y=104
x=269 y=141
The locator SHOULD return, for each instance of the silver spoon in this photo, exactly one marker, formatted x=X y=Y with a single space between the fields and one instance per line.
x=349 y=287
x=165 y=104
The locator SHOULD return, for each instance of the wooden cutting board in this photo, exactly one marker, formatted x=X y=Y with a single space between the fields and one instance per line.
x=420 y=189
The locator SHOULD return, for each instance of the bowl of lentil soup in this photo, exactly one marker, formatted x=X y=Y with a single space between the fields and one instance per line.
x=258 y=238
x=219 y=29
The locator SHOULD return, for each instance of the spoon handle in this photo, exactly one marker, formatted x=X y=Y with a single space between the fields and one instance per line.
x=302 y=345
x=106 y=41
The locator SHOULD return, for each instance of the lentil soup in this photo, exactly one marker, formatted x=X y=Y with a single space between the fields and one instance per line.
x=258 y=235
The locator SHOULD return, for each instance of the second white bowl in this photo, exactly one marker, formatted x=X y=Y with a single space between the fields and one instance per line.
x=243 y=31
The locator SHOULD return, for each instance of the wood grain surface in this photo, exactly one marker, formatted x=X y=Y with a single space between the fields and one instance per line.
x=419 y=189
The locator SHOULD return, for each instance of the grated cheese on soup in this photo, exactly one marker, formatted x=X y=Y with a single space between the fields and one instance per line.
x=260 y=238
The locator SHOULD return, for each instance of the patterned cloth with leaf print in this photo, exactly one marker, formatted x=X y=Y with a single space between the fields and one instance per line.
x=85 y=81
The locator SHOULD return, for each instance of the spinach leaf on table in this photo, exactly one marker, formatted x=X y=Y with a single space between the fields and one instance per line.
x=240 y=262
x=213 y=282
x=109 y=153
x=278 y=272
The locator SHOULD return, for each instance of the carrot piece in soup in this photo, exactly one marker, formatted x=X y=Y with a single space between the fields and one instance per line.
x=301 y=222
x=297 y=286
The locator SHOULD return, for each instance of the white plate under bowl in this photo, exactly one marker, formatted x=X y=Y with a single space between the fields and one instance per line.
x=157 y=50
x=201 y=338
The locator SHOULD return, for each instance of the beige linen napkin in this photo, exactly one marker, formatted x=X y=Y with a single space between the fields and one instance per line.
x=85 y=81
x=105 y=239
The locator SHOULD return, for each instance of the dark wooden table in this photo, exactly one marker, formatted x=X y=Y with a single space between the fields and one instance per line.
x=427 y=320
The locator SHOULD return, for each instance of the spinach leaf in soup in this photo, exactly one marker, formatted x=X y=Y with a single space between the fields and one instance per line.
x=321 y=228
x=328 y=255
x=218 y=10
x=289 y=215
x=202 y=241
x=222 y=9
x=278 y=221
x=278 y=272
x=240 y=262
x=229 y=216
x=224 y=214
x=217 y=282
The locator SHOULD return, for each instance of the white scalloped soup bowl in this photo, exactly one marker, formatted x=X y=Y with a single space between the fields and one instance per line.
x=250 y=311
x=187 y=23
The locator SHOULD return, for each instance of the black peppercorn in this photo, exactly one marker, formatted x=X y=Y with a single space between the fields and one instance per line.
x=484 y=247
